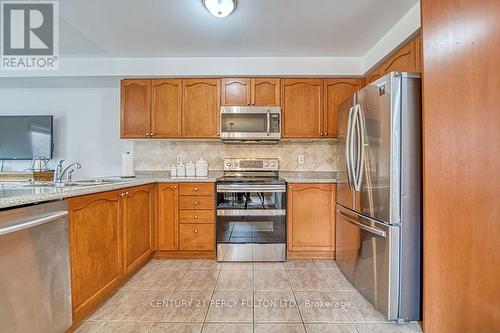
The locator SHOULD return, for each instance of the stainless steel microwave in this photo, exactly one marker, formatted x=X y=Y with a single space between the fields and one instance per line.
x=250 y=123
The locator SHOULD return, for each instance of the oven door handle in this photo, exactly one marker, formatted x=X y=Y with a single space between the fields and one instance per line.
x=247 y=188
x=268 y=127
x=251 y=212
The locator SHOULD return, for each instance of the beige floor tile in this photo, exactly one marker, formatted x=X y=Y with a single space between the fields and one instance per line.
x=111 y=304
x=271 y=280
x=121 y=327
x=307 y=280
x=152 y=264
x=186 y=306
x=203 y=279
x=162 y=280
x=389 y=328
x=336 y=280
x=235 y=280
x=359 y=309
x=321 y=307
x=89 y=327
x=175 y=264
x=227 y=328
x=237 y=265
x=176 y=328
x=205 y=264
x=231 y=307
x=326 y=264
x=142 y=305
x=331 y=328
x=275 y=266
x=275 y=307
x=300 y=265
x=279 y=328
x=136 y=280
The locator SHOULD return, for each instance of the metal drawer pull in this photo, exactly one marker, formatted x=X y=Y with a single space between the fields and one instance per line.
x=196 y=189
x=362 y=226
x=196 y=230
x=196 y=203
x=195 y=217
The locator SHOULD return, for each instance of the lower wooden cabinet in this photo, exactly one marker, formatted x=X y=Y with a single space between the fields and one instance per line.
x=137 y=214
x=197 y=237
x=110 y=236
x=167 y=230
x=96 y=249
x=311 y=221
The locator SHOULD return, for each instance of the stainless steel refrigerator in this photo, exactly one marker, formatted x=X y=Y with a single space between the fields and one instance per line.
x=378 y=232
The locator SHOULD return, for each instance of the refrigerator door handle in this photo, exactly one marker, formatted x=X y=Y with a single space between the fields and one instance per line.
x=348 y=149
x=360 y=163
x=362 y=226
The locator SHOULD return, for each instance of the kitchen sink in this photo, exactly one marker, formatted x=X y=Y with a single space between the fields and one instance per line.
x=78 y=183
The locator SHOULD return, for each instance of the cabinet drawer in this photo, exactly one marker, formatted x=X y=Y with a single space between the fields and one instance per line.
x=196 y=216
x=197 y=202
x=196 y=189
x=197 y=237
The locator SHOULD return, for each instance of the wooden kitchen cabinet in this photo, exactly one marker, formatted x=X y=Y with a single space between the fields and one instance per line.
x=250 y=91
x=197 y=237
x=302 y=108
x=311 y=220
x=166 y=108
x=404 y=60
x=336 y=91
x=96 y=248
x=137 y=214
x=200 y=110
x=135 y=109
x=168 y=220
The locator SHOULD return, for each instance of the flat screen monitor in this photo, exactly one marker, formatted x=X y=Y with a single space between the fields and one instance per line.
x=25 y=137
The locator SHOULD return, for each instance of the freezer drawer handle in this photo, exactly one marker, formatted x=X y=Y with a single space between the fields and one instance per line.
x=32 y=223
x=362 y=226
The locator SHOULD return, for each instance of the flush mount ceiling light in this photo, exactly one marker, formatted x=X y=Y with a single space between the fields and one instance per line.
x=220 y=8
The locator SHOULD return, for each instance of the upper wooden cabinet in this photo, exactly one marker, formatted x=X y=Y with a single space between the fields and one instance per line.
x=250 y=91
x=135 y=108
x=311 y=218
x=302 y=103
x=137 y=214
x=336 y=91
x=404 y=60
x=200 y=111
x=166 y=108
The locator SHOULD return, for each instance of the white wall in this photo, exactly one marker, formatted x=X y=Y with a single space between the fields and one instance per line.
x=86 y=119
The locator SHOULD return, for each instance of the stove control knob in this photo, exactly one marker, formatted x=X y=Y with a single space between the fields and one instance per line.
x=228 y=164
x=273 y=165
x=266 y=164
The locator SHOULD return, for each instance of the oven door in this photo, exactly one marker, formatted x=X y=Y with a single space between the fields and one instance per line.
x=250 y=123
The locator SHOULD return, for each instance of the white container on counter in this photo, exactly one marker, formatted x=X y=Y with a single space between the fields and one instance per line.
x=190 y=169
x=201 y=168
x=181 y=171
x=173 y=171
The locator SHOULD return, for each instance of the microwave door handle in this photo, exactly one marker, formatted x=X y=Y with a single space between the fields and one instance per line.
x=268 y=129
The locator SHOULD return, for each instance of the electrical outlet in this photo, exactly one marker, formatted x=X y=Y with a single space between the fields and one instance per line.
x=179 y=159
x=300 y=159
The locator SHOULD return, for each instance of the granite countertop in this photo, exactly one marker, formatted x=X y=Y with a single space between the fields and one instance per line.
x=16 y=194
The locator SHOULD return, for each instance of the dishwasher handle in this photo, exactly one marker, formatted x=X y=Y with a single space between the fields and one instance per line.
x=33 y=222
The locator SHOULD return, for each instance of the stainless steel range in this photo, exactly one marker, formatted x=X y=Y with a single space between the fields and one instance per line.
x=251 y=211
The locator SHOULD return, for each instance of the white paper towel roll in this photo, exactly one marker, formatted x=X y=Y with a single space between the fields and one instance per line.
x=128 y=165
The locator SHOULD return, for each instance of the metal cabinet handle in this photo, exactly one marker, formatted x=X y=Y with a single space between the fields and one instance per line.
x=122 y=194
x=195 y=203
x=151 y=134
x=196 y=230
x=321 y=133
x=195 y=217
x=147 y=134
x=326 y=133
x=175 y=186
x=196 y=189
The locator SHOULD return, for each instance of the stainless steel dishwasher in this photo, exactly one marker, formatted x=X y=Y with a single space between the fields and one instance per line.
x=35 y=291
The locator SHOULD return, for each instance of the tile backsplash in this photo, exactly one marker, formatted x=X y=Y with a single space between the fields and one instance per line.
x=159 y=155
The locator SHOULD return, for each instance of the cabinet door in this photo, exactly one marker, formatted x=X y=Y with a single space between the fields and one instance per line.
x=135 y=108
x=418 y=53
x=166 y=108
x=168 y=218
x=197 y=237
x=96 y=248
x=302 y=102
x=311 y=218
x=374 y=75
x=265 y=92
x=137 y=216
x=200 y=113
x=336 y=91
x=235 y=91
x=404 y=60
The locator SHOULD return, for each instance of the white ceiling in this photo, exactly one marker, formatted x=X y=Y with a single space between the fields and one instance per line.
x=258 y=28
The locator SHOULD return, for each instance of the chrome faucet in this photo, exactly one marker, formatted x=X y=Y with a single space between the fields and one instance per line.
x=60 y=172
